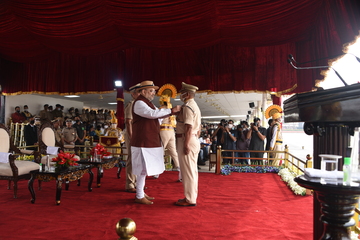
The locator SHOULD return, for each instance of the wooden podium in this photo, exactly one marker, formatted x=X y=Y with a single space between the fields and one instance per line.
x=331 y=117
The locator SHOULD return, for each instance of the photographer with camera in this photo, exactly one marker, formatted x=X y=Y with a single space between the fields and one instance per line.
x=243 y=143
x=230 y=137
x=257 y=134
x=218 y=137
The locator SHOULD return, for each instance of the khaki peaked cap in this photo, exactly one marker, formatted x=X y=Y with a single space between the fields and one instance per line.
x=188 y=88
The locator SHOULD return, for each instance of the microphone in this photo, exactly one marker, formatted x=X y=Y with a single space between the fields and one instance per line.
x=291 y=59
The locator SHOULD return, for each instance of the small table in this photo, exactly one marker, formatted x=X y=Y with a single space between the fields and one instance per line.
x=337 y=205
x=104 y=163
x=68 y=175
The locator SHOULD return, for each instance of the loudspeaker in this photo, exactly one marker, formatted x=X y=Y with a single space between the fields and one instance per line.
x=251 y=105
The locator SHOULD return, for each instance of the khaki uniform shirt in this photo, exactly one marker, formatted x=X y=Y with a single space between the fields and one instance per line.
x=58 y=135
x=128 y=110
x=69 y=134
x=189 y=114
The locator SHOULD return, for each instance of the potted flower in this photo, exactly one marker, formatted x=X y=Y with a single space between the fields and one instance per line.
x=99 y=151
x=65 y=160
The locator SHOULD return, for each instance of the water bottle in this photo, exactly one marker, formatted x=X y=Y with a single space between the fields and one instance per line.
x=347 y=171
x=47 y=162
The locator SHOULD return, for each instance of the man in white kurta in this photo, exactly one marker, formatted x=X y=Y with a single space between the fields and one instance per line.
x=146 y=148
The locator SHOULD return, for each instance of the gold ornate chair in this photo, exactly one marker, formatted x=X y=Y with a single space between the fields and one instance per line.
x=11 y=169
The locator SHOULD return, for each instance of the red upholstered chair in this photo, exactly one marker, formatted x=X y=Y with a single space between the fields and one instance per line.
x=11 y=169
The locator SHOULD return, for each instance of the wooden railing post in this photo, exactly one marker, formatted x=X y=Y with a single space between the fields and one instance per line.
x=218 y=160
x=309 y=162
x=286 y=157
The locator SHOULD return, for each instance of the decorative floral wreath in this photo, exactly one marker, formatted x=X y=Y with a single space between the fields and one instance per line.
x=168 y=90
x=271 y=110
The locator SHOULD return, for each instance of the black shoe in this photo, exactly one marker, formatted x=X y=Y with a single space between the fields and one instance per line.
x=201 y=163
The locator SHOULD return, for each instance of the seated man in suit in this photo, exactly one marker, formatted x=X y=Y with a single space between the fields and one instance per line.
x=30 y=134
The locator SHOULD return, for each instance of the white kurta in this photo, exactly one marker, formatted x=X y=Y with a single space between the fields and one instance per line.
x=149 y=159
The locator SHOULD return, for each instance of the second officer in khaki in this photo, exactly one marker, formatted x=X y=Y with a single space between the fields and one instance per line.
x=187 y=144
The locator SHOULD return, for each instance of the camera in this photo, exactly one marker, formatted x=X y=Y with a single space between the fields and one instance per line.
x=223 y=122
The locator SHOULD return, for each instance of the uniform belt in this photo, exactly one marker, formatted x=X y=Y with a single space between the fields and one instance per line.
x=179 y=135
x=277 y=141
x=166 y=127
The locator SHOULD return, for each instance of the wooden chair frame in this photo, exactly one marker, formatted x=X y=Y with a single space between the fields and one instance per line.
x=15 y=177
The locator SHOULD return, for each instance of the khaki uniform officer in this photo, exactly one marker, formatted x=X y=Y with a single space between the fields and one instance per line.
x=69 y=134
x=167 y=135
x=130 y=184
x=58 y=132
x=187 y=131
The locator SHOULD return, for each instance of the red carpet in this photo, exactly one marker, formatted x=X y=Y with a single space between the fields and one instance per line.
x=239 y=206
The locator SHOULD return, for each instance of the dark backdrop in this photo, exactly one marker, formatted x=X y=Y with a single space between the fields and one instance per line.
x=82 y=46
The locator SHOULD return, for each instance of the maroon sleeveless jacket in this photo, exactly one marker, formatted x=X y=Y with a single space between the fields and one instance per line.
x=146 y=132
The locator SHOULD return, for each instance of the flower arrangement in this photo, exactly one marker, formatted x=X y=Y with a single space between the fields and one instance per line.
x=228 y=169
x=65 y=160
x=288 y=177
x=100 y=151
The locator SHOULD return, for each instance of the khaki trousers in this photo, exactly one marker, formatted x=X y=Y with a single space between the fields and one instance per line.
x=130 y=178
x=278 y=147
x=168 y=141
x=188 y=167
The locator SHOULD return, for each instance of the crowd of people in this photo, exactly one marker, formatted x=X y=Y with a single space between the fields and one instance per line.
x=71 y=127
x=241 y=137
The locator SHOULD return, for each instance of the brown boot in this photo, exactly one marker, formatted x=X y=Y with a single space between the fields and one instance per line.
x=144 y=200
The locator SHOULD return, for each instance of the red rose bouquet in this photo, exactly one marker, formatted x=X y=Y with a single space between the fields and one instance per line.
x=65 y=159
x=99 y=151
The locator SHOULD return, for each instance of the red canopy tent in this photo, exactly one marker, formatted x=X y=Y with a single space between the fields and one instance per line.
x=81 y=46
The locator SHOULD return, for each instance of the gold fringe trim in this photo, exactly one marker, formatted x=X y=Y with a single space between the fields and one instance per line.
x=278 y=94
x=120 y=99
x=56 y=93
